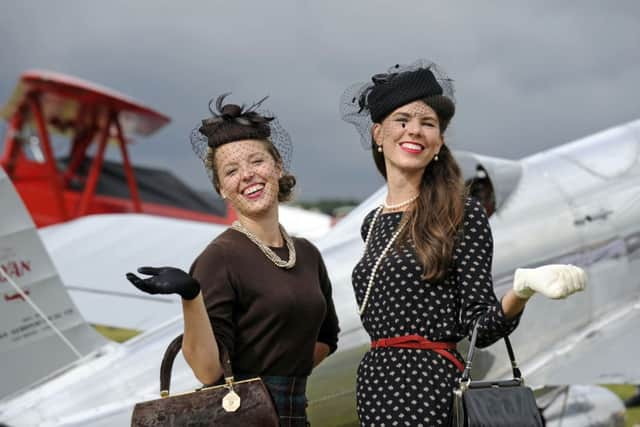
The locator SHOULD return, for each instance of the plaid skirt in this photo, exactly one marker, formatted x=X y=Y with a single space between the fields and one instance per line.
x=289 y=396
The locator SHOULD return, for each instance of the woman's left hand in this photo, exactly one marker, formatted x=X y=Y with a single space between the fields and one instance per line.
x=554 y=281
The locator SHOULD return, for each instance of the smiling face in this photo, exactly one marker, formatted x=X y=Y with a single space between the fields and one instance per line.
x=247 y=176
x=410 y=137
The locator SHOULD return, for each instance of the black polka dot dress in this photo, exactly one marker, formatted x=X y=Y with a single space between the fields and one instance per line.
x=413 y=387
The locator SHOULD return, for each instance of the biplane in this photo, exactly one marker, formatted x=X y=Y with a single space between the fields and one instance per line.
x=60 y=186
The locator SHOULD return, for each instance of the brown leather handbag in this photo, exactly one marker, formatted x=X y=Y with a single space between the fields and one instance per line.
x=235 y=403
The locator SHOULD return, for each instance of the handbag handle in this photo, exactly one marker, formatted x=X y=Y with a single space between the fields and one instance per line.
x=466 y=374
x=170 y=355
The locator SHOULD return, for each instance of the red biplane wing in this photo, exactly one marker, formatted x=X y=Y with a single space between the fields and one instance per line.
x=65 y=100
x=58 y=186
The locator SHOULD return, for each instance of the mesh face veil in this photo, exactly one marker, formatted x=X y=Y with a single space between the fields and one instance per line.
x=246 y=154
x=408 y=138
x=229 y=123
x=363 y=104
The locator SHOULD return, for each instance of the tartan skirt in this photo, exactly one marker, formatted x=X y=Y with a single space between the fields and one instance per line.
x=289 y=397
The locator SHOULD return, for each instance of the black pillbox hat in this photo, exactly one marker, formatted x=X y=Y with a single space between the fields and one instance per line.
x=395 y=90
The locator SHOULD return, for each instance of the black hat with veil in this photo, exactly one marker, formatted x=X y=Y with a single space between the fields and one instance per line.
x=363 y=104
x=230 y=122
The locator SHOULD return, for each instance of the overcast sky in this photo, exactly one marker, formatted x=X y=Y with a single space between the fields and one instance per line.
x=528 y=75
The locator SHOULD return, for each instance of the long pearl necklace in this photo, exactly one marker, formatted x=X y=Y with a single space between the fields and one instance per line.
x=272 y=256
x=399 y=205
x=379 y=260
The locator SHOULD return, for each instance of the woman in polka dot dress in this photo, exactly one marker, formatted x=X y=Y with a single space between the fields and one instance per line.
x=425 y=275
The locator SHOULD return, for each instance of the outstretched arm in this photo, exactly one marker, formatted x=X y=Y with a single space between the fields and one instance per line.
x=199 y=345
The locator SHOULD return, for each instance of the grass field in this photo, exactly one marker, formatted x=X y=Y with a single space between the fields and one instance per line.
x=624 y=392
x=116 y=334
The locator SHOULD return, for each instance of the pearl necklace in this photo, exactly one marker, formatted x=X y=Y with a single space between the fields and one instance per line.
x=272 y=256
x=379 y=260
x=399 y=205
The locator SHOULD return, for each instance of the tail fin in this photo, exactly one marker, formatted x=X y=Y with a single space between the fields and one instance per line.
x=32 y=346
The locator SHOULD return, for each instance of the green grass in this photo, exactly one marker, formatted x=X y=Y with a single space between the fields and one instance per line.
x=625 y=392
x=116 y=334
x=338 y=374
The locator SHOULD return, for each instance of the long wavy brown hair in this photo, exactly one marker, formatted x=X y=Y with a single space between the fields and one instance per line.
x=436 y=219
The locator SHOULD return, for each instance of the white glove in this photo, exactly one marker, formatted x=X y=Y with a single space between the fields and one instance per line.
x=554 y=281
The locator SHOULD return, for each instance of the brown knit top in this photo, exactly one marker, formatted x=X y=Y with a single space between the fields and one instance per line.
x=267 y=317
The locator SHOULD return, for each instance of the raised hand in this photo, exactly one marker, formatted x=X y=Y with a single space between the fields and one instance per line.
x=166 y=280
x=554 y=281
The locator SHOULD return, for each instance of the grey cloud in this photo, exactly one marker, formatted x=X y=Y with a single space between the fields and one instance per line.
x=529 y=75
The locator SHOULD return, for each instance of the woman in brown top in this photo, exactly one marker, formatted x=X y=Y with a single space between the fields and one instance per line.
x=260 y=293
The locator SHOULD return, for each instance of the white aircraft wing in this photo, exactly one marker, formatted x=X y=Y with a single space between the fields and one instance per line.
x=102 y=388
x=605 y=352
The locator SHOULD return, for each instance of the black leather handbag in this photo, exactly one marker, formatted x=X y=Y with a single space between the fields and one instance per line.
x=500 y=403
x=235 y=403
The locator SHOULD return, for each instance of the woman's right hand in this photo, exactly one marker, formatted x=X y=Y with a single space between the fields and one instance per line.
x=166 y=280
x=554 y=281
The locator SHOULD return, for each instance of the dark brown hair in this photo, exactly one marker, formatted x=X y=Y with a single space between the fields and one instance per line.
x=434 y=223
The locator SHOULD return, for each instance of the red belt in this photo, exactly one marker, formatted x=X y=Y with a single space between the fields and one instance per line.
x=416 y=341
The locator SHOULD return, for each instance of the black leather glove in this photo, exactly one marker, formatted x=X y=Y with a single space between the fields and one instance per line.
x=166 y=280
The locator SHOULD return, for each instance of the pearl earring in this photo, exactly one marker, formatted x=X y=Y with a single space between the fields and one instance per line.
x=435 y=158
x=379 y=148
